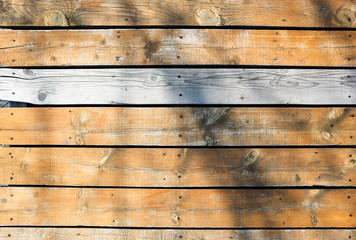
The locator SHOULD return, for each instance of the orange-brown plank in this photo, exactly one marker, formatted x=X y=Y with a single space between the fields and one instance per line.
x=178 y=126
x=165 y=234
x=177 y=47
x=299 y=13
x=159 y=167
x=258 y=208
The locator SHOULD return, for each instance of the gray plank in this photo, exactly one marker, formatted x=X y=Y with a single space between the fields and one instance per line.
x=178 y=86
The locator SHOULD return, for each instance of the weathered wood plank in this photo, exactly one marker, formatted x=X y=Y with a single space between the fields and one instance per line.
x=161 y=167
x=178 y=207
x=107 y=234
x=177 y=47
x=163 y=86
x=181 y=126
x=301 y=13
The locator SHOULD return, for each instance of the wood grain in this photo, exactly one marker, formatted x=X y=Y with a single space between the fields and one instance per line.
x=136 y=234
x=162 y=167
x=179 y=126
x=288 y=13
x=177 y=47
x=178 y=207
x=163 y=86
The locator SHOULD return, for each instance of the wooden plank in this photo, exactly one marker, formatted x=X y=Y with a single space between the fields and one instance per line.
x=108 y=234
x=177 y=47
x=225 y=208
x=160 y=167
x=301 y=13
x=183 y=126
x=163 y=86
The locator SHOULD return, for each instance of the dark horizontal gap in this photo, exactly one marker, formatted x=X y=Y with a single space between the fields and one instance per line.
x=184 y=188
x=180 y=147
x=191 y=105
x=150 y=27
x=176 y=228
x=200 y=66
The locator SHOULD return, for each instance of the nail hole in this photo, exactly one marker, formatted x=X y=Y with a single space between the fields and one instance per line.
x=13 y=93
x=70 y=137
x=348 y=197
x=11 y=178
x=349 y=180
x=180 y=94
x=164 y=179
x=12 y=114
x=179 y=76
x=181 y=116
x=11 y=138
x=11 y=219
x=179 y=176
x=178 y=155
x=164 y=154
x=350 y=215
x=316 y=152
x=112 y=195
x=9 y=235
x=181 y=37
x=331 y=125
x=180 y=197
x=180 y=18
x=180 y=135
x=349 y=96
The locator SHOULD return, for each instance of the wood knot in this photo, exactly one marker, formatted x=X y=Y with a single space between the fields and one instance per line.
x=215 y=114
x=326 y=135
x=150 y=48
x=209 y=140
x=345 y=17
x=208 y=17
x=176 y=219
x=55 y=18
x=234 y=60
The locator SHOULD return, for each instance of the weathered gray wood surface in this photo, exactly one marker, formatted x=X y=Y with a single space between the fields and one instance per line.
x=178 y=86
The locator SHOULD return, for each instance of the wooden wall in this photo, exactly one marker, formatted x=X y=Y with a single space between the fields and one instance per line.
x=178 y=119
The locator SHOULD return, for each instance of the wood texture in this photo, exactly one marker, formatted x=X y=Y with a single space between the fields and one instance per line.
x=108 y=234
x=163 y=86
x=301 y=13
x=181 y=126
x=178 y=208
x=162 y=167
x=177 y=47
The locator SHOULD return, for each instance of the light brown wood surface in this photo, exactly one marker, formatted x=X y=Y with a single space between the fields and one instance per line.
x=208 y=208
x=177 y=47
x=178 y=126
x=162 y=167
x=300 y=13
x=164 y=234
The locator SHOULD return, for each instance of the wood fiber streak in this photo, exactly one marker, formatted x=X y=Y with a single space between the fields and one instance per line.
x=160 y=167
x=286 y=13
x=164 y=86
x=177 y=47
x=179 y=126
x=135 y=234
x=206 y=208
